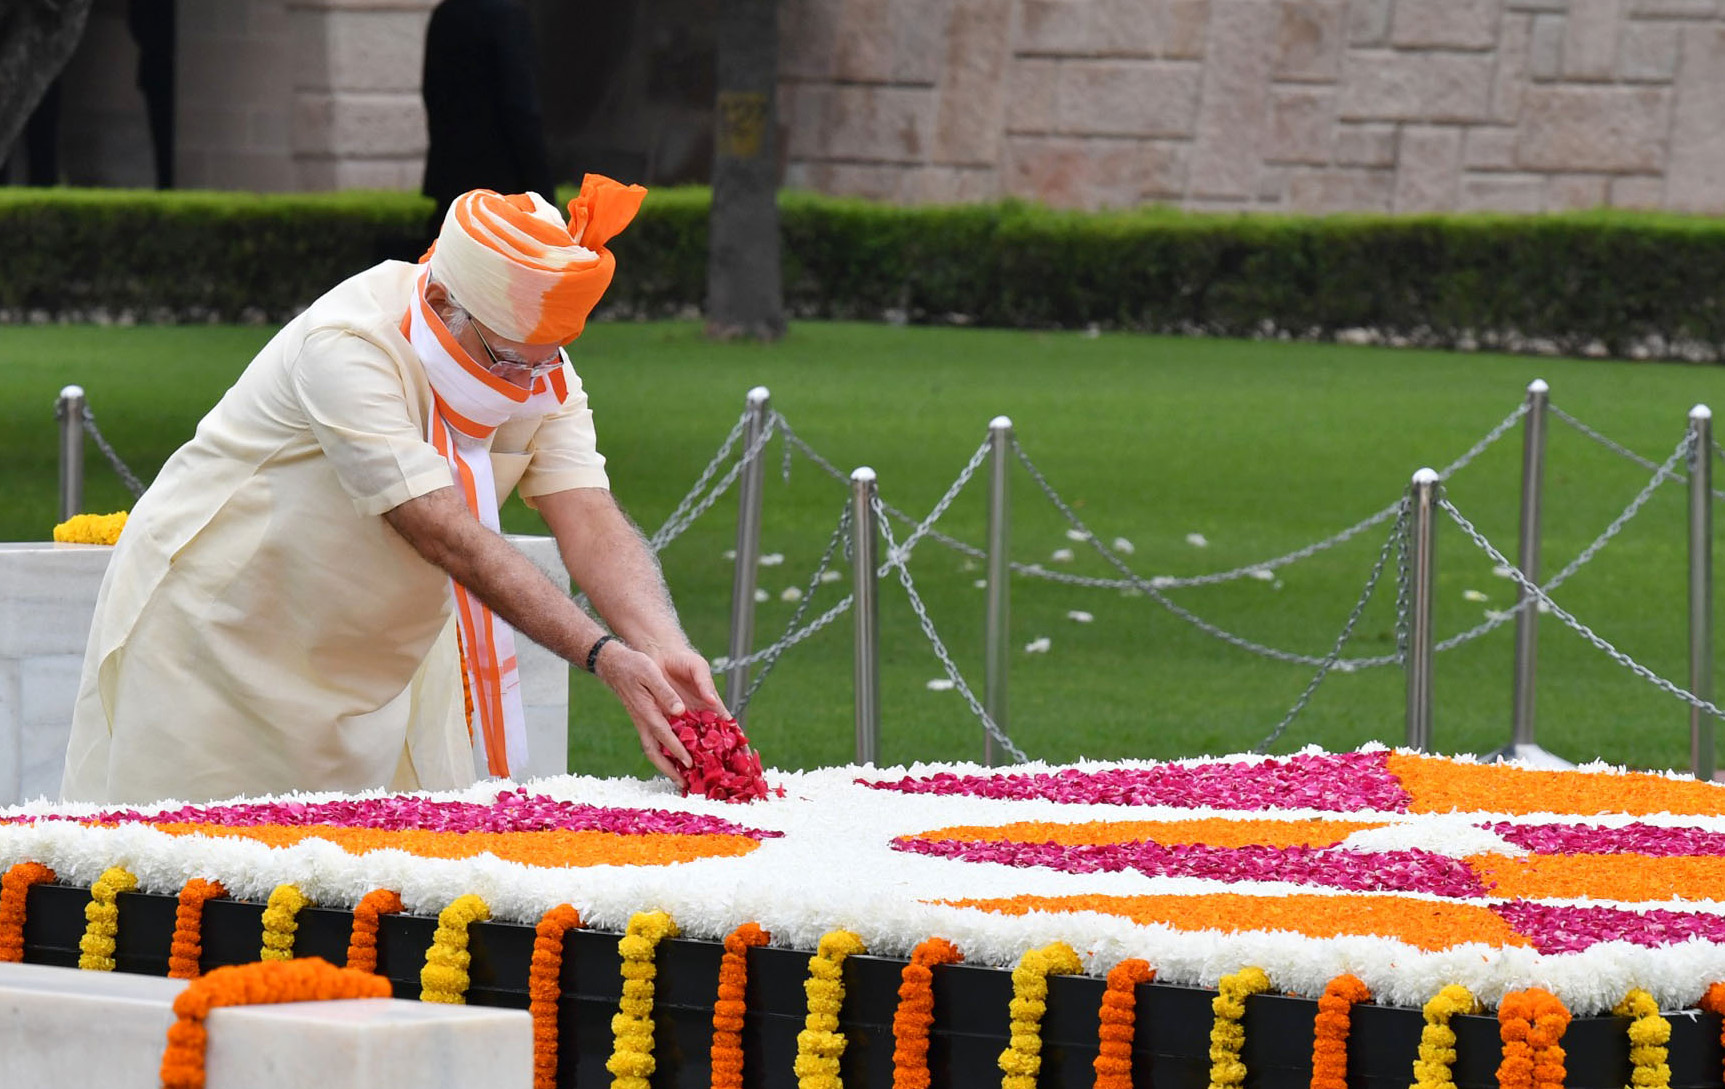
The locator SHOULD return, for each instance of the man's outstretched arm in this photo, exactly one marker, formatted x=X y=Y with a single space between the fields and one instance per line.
x=442 y=530
x=608 y=558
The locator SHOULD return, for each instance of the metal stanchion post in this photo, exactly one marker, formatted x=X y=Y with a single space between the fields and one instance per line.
x=1424 y=494
x=69 y=410
x=1701 y=588
x=999 y=527
x=748 y=552
x=1522 y=746
x=865 y=560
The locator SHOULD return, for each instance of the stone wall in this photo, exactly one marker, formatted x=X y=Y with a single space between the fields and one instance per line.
x=1302 y=105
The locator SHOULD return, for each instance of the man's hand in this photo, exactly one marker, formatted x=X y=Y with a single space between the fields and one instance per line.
x=645 y=693
x=689 y=673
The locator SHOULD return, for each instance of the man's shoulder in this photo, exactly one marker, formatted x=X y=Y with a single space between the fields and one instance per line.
x=369 y=303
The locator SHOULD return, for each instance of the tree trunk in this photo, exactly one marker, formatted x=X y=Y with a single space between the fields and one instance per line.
x=36 y=40
x=745 y=297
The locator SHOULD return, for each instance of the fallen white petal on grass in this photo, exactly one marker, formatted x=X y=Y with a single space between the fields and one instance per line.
x=1503 y=572
x=791 y=593
x=1496 y=614
x=729 y=554
x=1544 y=606
x=762 y=595
x=980 y=584
x=1061 y=555
x=832 y=576
x=1077 y=535
x=1123 y=546
x=1263 y=574
x=1079 y=615
x=941 y=684
x=1038 y=645
x=1197 y=540
x=772 y=559
x=1475 y=595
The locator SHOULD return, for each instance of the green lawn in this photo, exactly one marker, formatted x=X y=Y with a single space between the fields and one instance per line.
x=1260 y=447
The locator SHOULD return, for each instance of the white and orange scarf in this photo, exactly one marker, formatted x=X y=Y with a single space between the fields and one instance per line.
x=471 y=404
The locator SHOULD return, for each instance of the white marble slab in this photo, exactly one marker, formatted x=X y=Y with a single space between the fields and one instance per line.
x=65 y=1029
x=47 y=599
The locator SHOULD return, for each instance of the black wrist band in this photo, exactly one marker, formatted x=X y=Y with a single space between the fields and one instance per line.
x=593 y=655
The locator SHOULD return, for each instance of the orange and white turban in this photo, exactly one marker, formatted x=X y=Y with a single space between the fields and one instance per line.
x=511 y=262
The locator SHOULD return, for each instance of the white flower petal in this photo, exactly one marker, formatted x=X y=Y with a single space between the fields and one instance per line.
x=1263 y=574
x=772 y=559
x=1474 y=595
x=832 y=576
x=1061 y=555
x=1123 y=546
x=1080 y=616
x=729 y=553
x=980 y=584
x=1503 y=572
x=1077 y=535
x=761 y=595
x=1039 y=645
x=941 y=684
x=1197 y=540
x=791 y=593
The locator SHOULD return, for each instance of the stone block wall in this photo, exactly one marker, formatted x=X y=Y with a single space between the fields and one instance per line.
x=1299 y=105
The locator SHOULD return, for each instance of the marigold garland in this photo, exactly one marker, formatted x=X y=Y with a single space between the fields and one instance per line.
x=14 y=890
x=1119 y=1023
x=915 y=1013
x=545 y=990
x=631 y=1062
x=1330 y=1030
x=102 y=919
x=1227 y=1035
x=820 y=1045
x=1530 y=1024
x=187 y=947
x=281 y=922
x=444 y=977
x=726 y=1053
x=99 y=529
x=1648 y=1035
x=1714 y=1002
x=1435 y=1067
x=1022 y=1059
x=367 y=915
x=309 y=980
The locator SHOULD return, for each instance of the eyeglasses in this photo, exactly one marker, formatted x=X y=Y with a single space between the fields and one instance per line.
x=535 y=371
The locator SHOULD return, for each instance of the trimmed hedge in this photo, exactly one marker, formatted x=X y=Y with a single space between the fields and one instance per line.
x=1615 y=283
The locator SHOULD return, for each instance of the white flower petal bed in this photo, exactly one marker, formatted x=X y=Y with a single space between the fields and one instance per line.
x=833 y=864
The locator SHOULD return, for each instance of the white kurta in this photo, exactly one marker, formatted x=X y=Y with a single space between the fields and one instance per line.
x=261 y=627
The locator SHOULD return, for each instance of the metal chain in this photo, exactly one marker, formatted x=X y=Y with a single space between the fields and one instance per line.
x=1619 y=449
x=722 y=664
x=88 y=422
x=1479 y=447
x=841 y=533
x=674 y=526
x=677 y=521
x=940 y=650
x=1397 y=534
x=1661 y=473
x=926 y=526
x=1404 y=592
x=1583 y=630
x=1155 y=593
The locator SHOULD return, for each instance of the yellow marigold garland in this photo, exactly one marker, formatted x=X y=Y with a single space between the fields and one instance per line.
x=1648 y=1035
x=444 y=977
x=101 y=529
x=1435 y=1067
x=281 y=922
x=820 y=1044
x=631 y=1062
x=102 y=919
x=1227 y=1035
x=1022 y=1059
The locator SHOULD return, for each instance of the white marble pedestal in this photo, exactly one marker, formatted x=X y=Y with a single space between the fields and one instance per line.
x=61 y=1028
x=47 y=597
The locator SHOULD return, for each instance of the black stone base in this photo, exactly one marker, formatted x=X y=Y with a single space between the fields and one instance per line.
x=970 y=1008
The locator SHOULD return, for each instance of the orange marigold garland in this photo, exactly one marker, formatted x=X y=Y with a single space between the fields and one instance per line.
x=1119 y=1023
x=14 y=890
x=1531 y=1023
x=1330 y=1031
x=1714 y=1002
x=915 y=1013
x=729 y=1007
x=187 y=948
x=362 y=942
x=308 y=980
x=102 y=919
x=545 y=990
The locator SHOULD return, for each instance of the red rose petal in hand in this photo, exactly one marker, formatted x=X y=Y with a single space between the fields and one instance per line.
x=722 y=766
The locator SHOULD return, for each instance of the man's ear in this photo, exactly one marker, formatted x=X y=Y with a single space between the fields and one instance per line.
x=436 y=294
